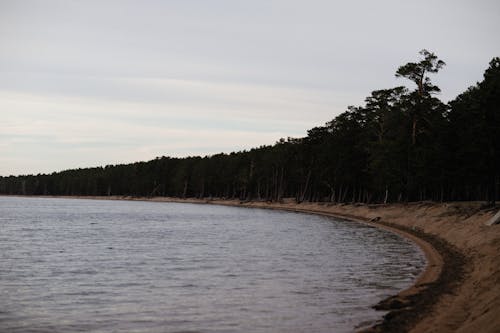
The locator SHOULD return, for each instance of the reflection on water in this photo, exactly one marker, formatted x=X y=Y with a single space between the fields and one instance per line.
x=70 y=265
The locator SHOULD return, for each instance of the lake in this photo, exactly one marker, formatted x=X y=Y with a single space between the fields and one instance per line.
x=72 y=265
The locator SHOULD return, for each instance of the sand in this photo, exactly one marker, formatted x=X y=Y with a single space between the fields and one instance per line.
x=460 y=289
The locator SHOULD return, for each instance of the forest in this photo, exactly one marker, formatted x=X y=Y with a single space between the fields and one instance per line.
x=402 y=145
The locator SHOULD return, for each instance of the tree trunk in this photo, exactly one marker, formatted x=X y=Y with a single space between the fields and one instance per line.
x=302 y=196
x=184 y=192
x=280 y=188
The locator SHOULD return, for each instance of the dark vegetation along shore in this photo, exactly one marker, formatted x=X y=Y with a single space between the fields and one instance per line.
x=401 y=145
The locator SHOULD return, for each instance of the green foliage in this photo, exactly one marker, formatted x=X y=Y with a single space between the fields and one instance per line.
x=417 y=71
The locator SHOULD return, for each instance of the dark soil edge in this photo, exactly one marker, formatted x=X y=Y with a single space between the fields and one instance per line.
x=405 y=312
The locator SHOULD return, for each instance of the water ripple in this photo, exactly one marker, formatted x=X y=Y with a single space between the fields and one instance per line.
x=103 y=266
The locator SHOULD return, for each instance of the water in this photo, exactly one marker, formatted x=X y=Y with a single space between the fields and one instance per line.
x=69 y=265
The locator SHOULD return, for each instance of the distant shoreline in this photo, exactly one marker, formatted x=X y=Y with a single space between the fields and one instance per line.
x=455 y=292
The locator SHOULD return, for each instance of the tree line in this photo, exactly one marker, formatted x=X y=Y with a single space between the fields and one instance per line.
x=401 y=145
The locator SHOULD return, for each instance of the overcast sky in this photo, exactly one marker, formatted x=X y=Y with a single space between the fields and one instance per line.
x=90 y=83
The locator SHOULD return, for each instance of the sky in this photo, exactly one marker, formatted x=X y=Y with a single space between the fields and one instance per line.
x=92 y=83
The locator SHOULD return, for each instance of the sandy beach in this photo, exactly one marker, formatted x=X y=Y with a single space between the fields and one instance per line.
x=458 y=291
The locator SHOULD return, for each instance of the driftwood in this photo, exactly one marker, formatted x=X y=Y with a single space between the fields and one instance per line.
x=495 y=219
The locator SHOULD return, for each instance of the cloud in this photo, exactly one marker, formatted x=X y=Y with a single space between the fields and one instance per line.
x=57 y=132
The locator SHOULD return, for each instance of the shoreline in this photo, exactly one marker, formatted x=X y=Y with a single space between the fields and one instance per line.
x=406 y=307
x=456 y=292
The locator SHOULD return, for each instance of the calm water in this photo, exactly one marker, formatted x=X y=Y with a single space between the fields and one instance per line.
x=70 y=265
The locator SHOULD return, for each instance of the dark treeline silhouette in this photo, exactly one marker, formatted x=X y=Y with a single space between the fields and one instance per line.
x=402 y=145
